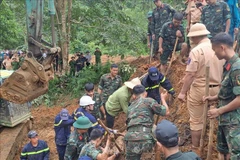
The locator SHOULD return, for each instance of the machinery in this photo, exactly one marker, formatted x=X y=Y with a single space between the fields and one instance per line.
x=31 y=79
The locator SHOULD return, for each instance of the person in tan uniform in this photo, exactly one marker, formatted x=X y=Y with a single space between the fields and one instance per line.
x=194 y=80
x=194 y=12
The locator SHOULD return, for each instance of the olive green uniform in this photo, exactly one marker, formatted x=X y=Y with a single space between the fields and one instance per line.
x=228 y=135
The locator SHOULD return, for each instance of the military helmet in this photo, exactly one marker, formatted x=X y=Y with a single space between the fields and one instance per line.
x=85 y=101
x=149 y=15
x=198 y=29
x=82 y=123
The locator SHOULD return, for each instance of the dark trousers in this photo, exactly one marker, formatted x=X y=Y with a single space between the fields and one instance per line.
x=109 y=119
x=61 y=151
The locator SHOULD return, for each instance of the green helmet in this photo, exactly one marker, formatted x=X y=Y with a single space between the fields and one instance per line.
x=149 y=15
x=82 y=123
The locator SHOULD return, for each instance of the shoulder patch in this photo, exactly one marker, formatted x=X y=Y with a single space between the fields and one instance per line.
x=238 y=79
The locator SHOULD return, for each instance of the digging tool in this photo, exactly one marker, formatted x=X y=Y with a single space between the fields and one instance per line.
x=173 y=58
x=151 y=53
x=205 y=111
x=106 y=129
x=210 y=141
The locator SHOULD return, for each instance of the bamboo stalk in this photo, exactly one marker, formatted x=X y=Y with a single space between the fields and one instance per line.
x=210 y=142
x=173 y=57
x=205 y=110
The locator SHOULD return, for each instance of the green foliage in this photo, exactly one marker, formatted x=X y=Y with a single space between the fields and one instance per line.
x=11 y=29
x=74 y=86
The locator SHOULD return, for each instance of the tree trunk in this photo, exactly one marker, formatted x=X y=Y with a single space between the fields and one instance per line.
x=69 y=23
x=61 y=6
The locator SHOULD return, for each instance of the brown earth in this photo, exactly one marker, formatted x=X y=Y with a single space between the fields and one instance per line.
x=44 y=116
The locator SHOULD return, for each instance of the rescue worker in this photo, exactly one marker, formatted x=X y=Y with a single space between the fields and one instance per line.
x=194 y=12
x=119 y=100
x=152 y=82
x=140 y=118
x=108 y=84
x=72 y=65
x=89 y=91
x=15 y=63
x=194 y=15
x=228 y=107
x=234 y=24
x=78 y=138
x=80 y=62
x=167 y=38
x=215 y=15
x=98 y=55
x=194 y=80
x=92 y=149
x=149 y=33
x=88 y=58
x=161 y=14
x=85 y=108
x=167 y=136
x=62 y=127
x=36 y=149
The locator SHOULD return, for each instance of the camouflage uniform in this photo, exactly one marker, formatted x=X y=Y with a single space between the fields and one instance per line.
x=98 y=103
x=229 y=129
x=168 y=34
x=98 y=55
x=215 y=16
x=90 y=150
x=139 y=137
x=15 y=65
x=160 y=16
x=109 y=85
x=72 y=65
x=74 y=145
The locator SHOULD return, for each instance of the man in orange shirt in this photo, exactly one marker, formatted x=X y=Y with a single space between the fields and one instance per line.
x=194 y=81
x=7 y=63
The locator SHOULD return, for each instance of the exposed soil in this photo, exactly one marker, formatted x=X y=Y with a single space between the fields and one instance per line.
x=44 y=116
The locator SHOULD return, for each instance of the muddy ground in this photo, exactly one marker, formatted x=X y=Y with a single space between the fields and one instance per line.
x=44 y=116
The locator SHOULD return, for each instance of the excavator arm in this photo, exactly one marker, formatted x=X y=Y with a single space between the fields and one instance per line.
x=31 y=79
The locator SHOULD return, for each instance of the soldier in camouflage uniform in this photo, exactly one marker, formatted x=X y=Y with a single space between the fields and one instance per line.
x=89 y=91
x=167 y=37
x=78 y=138
x=72 y=65
x=139 y=136
x=93 y=150
x=149 y=33
x=228 y=108
x=161 y=14
x=216 y=17
x=108 y=84
x=15 y=64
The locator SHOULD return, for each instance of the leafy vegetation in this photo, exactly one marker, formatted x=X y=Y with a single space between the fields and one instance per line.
x=74 y=86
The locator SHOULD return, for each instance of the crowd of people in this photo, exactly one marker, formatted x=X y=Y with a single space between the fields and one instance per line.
x=11 y=60
x=79 y=61
x=211 y=29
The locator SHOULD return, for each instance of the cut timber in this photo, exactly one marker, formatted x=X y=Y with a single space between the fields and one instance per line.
x=13 y=138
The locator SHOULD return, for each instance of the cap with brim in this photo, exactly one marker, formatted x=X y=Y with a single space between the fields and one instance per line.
x=132 y=83
x=167 y=134
x=64 y=114
x=32 y=134
x=198 y=29
x=153 y=73
x=82 y=123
